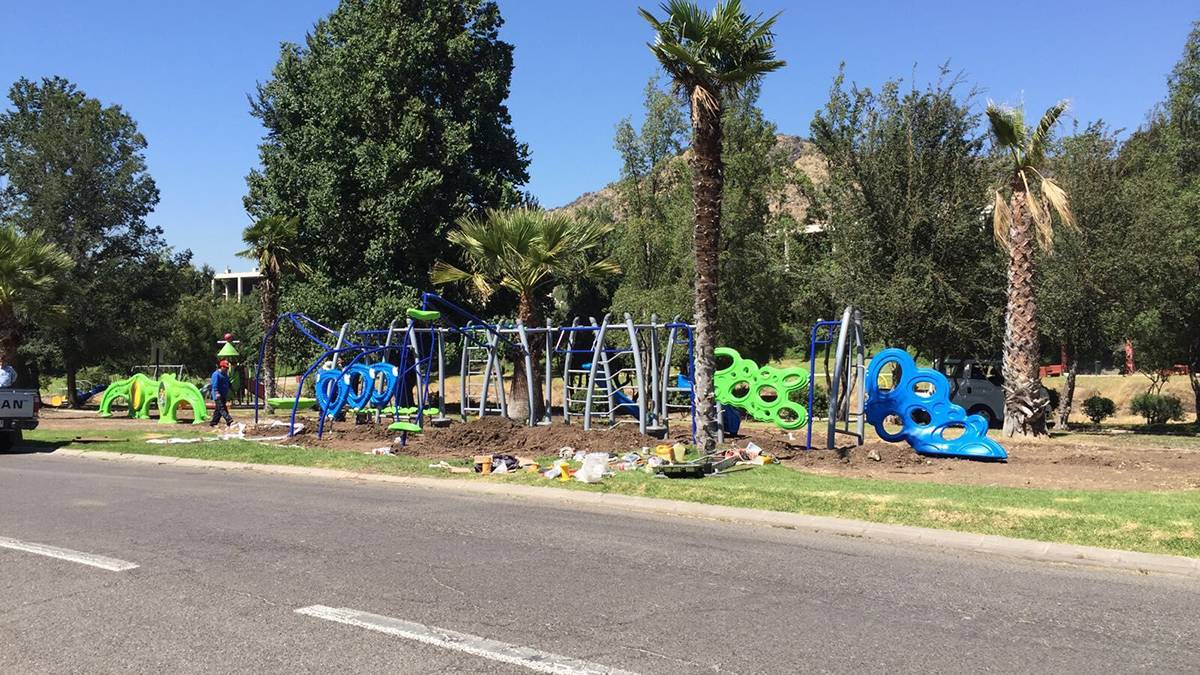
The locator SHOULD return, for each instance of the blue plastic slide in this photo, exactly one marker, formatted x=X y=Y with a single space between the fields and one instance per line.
x=625 y=404
x=930 y=423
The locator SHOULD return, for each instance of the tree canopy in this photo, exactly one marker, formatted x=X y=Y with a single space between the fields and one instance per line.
x=76 y=172
x=904 y=215
x=386 y=126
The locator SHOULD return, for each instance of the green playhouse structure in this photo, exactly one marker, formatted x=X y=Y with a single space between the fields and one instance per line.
x=140 y=392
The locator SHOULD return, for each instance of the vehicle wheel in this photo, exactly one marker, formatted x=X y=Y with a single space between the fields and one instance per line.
x=9 y=440
x=986 y=413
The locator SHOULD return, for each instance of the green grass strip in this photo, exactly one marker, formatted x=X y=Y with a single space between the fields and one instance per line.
x=1150 y=521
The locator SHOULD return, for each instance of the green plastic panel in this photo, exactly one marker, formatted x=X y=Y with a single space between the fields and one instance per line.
x=766 y=393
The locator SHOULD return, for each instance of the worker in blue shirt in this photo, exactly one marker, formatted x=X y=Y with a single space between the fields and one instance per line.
x=220 y=395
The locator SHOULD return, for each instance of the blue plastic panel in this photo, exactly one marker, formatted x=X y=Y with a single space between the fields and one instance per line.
x=920 y=398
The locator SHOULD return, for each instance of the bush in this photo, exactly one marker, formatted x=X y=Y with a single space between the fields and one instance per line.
x=1097 y=408
x=820 y=402
x=1157 y=408
x=1055 y=398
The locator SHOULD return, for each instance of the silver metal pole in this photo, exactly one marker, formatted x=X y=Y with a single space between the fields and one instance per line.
x=637 y=369
x=528 y=369
x=462 y=380
x=654 y=393
x=835 y=380
x=441 y=356
x=548 y=418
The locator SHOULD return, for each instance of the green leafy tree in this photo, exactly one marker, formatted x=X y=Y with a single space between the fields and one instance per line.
x=654 y=211
x=31 y=268
x=908 y=242
x=271 y=244
x=386 y=126
x=709 y=56
x=1081 y=284
x=75 y=171
x=525 y=251
x=1021 y=221
x=1161 y=170
x=200 y=318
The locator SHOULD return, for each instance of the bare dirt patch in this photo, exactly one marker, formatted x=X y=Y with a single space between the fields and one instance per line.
x=1072 y=461
x=487 y=435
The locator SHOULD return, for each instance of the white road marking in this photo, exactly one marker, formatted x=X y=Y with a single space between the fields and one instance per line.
x=103 y=562
x=533 y=659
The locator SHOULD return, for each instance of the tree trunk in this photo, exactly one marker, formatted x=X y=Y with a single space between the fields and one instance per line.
x=72 y=370
x=708 y=184
x=1025 y=402
x=1068 y=397
x=1194 y=375
x=270 y=308
x=1194 y=378
x=518 y=397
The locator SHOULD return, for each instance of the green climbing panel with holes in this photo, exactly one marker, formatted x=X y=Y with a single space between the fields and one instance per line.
x=766 y=393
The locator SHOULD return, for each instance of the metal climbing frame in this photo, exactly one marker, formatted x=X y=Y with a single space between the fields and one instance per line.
x=613 y=371
x=846 y=390
x=675 y=381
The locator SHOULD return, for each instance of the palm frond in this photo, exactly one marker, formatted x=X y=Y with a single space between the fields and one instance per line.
x=1060 y=201
x=1001 y=220
x=1008 y=126
x=1040 y=138
x=522 y=249
x=1042 y=227
x=723 y=50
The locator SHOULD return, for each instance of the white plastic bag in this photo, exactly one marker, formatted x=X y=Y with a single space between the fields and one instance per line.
x=594 y=465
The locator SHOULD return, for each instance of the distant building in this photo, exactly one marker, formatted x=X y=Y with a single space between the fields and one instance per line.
x=236 y=283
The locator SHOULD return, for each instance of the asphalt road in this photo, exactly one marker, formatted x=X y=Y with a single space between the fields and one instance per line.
x=226 y=558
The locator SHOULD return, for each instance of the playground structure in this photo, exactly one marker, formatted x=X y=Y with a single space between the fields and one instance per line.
x=920 y=399
x=140 y=392
x=611 y=371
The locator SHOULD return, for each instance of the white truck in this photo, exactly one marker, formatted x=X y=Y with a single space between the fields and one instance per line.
x=18 y=412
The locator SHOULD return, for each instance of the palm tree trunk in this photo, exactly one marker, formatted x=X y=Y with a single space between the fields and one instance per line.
x=708 y=184
x=1024 y=401
x=518 y=399
x=270 y=309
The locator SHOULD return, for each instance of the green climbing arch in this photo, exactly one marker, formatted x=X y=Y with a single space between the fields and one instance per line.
x=766 y=393
x=138 y=391
x=172 y=393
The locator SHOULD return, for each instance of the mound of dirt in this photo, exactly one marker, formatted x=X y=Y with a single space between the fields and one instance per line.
x=498 y=435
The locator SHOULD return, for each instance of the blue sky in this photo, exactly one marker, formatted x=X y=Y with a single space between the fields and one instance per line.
x=184 y=69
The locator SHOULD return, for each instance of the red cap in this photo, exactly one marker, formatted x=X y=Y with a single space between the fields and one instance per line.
x=223 y=363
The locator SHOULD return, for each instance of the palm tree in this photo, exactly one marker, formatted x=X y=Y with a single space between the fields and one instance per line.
x=526 y=251
x=709 y=56
x=271 y=243
x=1018 y=222
x=29 y=267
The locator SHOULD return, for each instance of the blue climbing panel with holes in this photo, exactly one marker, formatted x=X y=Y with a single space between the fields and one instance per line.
x=920 y=399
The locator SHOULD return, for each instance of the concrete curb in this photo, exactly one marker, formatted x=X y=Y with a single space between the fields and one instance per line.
x=1023 y=549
